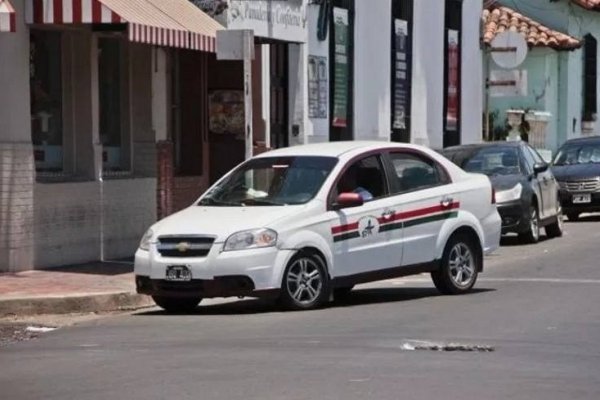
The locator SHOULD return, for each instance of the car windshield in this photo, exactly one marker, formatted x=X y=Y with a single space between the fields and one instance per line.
x=273 y=181
x=578 y=154
x=497 y=160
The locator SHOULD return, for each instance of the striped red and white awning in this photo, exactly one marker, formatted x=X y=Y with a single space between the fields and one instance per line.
x=173 y=23
x=8 y=19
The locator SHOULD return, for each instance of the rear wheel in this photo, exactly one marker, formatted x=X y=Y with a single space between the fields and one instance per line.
x=555 y=229
x=459 y=266
x=305 y=282
x=573 y=216
x=177 y=304
x=532 y=235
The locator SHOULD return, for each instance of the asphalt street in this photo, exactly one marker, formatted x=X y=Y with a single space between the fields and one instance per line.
x=530 y=330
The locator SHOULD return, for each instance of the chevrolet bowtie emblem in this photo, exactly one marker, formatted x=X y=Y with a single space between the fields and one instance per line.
x=183 y=247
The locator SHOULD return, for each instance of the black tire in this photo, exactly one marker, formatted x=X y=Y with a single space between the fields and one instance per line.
x=177 y=304
x=446 y=278
x=305 y=290
x=532 y=235
x=342 y=292
x=573 y=216
x=555 y=229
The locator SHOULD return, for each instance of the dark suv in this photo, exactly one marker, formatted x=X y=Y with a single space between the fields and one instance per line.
x=577 y=169
x=526 y=191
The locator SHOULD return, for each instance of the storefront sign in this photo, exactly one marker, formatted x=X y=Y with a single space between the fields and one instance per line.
x=401 y=82
x=274 y=19
x=453 y=81
x=340 y=73
x=317 y=87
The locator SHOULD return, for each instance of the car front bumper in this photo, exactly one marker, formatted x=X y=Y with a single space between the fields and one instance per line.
x=252 y=273
x=566 y=201
x=515 y=216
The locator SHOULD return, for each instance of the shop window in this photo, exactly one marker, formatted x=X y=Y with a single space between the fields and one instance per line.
x=341 y=55
x=113 y=104
x=452 y=72
x=590 y=77
x=46 y=88
x=402 y=17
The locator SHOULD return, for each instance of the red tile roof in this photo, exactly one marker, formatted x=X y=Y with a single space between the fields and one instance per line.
x=497 y=19
x=588 y=4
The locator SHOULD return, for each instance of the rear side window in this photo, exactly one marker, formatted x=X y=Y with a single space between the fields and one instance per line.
x=412 y=172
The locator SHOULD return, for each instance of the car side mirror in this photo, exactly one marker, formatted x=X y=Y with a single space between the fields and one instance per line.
x=348 y=200
x=538 y=168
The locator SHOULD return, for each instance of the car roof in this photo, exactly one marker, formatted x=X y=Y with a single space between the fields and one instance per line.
x=587 y=139
x=333 y=149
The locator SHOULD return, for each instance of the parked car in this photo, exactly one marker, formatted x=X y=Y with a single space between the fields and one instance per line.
x=305 y=222
x=577 y=170
x=526 y=191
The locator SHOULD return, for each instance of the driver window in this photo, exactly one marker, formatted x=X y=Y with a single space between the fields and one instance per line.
x=364 y=177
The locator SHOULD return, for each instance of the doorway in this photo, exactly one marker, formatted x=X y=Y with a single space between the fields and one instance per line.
x=279 y=95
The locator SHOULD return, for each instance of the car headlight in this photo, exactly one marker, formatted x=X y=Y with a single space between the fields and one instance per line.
x=252 y=239
x=510 y=194
x=146 y=239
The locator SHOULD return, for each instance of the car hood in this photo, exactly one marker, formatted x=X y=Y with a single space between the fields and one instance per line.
x=222 y=221
x=576 y=172
x=505 y=182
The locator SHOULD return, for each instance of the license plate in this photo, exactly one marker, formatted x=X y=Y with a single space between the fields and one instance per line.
x=178 y=273
x=582 y=198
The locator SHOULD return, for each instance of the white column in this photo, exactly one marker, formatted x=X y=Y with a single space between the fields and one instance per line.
x=472 y=79
x=428 y=74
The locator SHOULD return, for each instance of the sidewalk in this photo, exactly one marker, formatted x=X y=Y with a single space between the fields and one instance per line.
x=94 y=287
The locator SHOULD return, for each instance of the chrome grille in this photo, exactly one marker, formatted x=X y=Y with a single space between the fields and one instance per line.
x=184 y=246
x=590 y=185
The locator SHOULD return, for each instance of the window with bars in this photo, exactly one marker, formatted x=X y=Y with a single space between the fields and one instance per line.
x=401 y=52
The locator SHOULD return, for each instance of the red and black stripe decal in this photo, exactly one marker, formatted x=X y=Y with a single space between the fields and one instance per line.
x=400 y=220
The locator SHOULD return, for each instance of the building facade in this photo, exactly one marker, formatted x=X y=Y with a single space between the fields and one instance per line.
x=561 y=66
x=114 y=113
x=83 y=103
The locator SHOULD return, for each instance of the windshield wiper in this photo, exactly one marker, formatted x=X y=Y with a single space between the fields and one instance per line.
x=209 y=201
x=262 y=202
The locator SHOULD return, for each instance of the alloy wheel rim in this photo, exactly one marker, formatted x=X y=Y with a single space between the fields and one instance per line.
x=462 y=265
x=304 y=281
x=535 y=228
x=561 y=221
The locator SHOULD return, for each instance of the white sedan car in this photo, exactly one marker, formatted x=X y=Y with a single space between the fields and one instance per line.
x=305 y=224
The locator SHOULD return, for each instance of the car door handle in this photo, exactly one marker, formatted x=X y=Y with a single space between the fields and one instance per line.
x=446 y=202
x=387 y=214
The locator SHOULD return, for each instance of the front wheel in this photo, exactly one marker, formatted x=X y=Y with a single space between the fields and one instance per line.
x=555 y=229
x=532 y=235
x=459 y=266
x=177 y=304
x=305 y=282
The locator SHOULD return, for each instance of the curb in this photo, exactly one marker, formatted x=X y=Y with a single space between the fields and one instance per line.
x=74 y=304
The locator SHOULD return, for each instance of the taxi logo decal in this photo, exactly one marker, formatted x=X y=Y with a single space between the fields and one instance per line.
x=368 y=226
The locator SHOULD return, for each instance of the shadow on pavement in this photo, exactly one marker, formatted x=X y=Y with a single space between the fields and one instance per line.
x=107 y=268
x=508 y=241
x=586 y=218
x=356 y=298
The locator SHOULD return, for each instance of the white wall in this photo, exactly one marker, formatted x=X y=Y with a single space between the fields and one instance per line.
x=472 y=74
x=372 y=69
x=428 y=74
x=16 y=153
